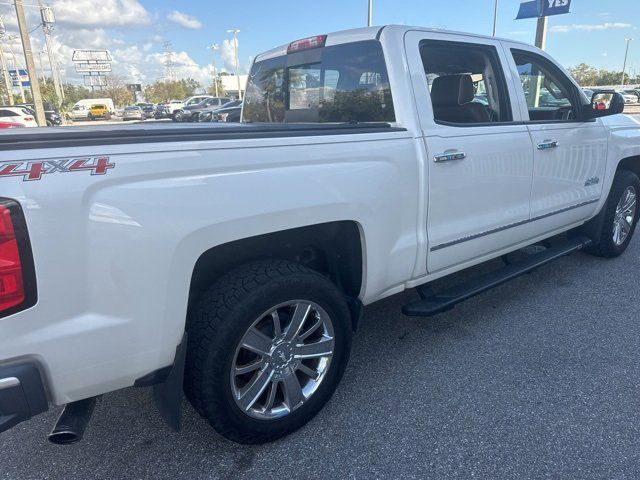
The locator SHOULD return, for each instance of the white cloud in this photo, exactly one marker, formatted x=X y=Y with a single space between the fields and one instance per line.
x=184 y=20
x=103 y=13
x=589 y=27
x=105 y=25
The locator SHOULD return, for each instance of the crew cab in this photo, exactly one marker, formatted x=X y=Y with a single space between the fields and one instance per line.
x=232 y=262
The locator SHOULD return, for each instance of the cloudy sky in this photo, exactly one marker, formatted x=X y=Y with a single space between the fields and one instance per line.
x=134 y=31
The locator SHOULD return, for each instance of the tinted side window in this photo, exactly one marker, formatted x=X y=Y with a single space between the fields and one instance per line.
x=549 y=94
x=7 y=113
x=466 y=83
x=340 y=83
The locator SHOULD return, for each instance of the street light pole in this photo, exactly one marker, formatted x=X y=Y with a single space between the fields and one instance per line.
x=235 y=47
x=626 y=54
x=3 y=63
x=214 y=47
x=495 y=17
x=48 y=24
x=16 y=67
x=31 y=68
x=370 y=16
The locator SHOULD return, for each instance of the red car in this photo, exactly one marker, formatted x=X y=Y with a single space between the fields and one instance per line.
x=11 y=125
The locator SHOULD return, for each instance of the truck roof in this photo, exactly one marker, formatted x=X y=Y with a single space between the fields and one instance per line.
x=373 y=33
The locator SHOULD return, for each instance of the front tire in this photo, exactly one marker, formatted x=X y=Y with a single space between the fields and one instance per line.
x=268 y=345
x=621 y=215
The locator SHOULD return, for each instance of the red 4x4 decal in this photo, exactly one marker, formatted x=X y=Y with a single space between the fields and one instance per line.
x=34 y=170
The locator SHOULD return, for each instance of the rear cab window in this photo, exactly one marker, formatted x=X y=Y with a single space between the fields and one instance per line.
x=466 y=83
x=339 y=83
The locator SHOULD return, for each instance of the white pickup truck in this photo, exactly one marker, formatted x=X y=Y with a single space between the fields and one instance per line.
x=232 y=261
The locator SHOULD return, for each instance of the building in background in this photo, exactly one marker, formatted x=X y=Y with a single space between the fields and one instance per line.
x=230 y=84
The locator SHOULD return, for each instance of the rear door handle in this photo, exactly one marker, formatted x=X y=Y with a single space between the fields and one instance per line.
x=548 y=144
x=449 y=155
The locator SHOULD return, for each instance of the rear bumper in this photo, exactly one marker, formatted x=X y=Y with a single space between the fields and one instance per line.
x=22 y=393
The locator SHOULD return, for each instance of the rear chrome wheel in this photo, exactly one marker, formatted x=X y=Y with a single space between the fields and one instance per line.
x=282 y=359
x=625 y=216
x=268 y=344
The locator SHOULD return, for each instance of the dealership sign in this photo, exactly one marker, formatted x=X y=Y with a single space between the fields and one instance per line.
x=18 y=77
x=93 y=67
x=543 y=8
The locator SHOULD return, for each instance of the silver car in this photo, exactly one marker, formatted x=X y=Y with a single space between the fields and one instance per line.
x=133 y=113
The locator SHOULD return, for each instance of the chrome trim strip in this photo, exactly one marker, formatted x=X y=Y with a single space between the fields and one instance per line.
x=9 y=382
x=512 y=225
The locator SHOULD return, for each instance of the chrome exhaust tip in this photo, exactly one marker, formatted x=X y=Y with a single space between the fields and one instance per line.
x=72 y=422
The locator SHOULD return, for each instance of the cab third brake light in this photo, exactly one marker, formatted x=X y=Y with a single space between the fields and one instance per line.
x=307 y=43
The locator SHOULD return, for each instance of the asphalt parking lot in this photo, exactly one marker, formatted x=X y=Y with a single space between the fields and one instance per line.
x=539 y=378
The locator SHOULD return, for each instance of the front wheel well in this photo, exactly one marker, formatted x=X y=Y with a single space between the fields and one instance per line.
x=333 y=249
x=630 y=163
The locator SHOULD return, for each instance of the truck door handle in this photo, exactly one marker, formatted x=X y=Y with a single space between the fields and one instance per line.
x=449 y=155
x=548 y=144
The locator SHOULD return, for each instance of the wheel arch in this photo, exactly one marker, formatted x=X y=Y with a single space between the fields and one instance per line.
x=630 y=163
x=334 y=249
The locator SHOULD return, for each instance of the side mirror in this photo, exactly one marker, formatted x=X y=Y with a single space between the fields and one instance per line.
x=605 y=103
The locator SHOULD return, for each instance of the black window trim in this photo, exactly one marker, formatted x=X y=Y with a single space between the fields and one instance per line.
x=557 y=74
x=493 y=50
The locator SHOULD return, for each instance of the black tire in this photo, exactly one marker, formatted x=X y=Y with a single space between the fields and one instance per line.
x=217 y=325
x=606 y=247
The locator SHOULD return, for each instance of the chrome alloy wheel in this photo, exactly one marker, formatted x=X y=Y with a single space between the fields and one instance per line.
x=625 y=215
x=282 y=359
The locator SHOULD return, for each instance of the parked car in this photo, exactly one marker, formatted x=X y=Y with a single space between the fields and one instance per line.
x=18 y=114
x=232 y=262
x=87 y=102
x=79 y=112
x=190 y=113
x=175 y=105
x=149 y=111
x=628 y=97
x=4 y=124
x=634 y=91
x=52 y=116
x=162 y=111
x=99 y=111
x=208 y=115
x=228 y=114
x=133 y=112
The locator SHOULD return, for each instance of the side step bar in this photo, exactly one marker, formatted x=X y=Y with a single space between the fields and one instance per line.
x=441 y=302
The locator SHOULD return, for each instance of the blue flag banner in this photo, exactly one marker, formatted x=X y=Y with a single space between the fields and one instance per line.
x=542 y=8
x=555 y=7
x=530 y=9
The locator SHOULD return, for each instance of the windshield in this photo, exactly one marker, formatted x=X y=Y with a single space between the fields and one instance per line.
x=342 y=83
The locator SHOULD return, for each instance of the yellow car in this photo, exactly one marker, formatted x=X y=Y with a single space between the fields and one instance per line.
x=99 y=111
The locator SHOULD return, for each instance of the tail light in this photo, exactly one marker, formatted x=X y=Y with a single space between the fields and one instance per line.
x=17 y=273
x=28 y=119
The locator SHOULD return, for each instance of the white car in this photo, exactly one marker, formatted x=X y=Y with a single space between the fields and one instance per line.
x=17 y=115
x=628 y=98
x=234 y=260
x=80 y=112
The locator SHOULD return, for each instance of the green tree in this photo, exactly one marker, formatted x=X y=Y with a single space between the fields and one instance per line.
x=165 y=90
x=117 y=91
x=212 y=88
x=589 y=76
